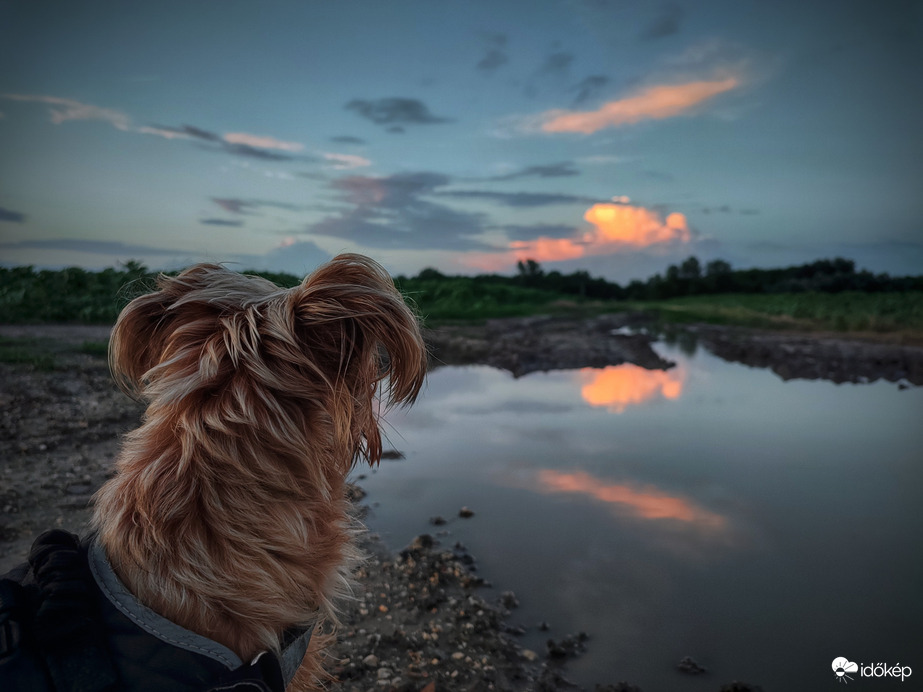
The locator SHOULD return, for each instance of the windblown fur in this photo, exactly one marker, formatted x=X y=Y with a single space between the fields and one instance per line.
x=227 y=513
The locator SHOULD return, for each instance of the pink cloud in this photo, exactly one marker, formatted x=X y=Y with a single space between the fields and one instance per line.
x=261 y=141
x=651 y=103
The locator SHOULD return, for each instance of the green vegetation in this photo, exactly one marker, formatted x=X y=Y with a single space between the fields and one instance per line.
x=851 y=311
x=826 y=295
x=26 y=351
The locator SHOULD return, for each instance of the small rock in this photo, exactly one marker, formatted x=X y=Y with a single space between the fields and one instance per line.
x=690 y=666
x=392 y=454
x=508 y=600
x=371 y=660
x=422 y=542
x=543 y=626
x=529 y=655
x=736 y=686
x=437 y=521
x=384 y=673
x=465 y=513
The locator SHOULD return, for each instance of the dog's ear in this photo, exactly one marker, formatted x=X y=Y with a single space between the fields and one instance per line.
x=360 y=334
x=143 y=332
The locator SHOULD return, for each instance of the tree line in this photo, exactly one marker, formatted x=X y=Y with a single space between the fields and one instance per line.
x=690 y=277
x=79 y=295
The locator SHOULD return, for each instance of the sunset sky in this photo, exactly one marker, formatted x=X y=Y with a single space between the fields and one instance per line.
x=615 y=136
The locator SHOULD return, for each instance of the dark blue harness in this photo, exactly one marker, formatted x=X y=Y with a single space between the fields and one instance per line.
x=68 y=623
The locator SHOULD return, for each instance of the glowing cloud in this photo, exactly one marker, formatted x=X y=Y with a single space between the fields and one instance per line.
x=616 y=227
x=652 y=103
x=643 y=503
x=620 y=386
x=261 y=142
x=630 y=225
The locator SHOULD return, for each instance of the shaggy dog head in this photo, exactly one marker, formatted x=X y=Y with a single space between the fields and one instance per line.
x=227 y=513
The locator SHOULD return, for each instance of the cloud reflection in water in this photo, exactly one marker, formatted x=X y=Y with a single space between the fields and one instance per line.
x=620 y=386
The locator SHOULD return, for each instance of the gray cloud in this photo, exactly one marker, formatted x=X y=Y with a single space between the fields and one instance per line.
x=496 y=55
x=10 y=215
x=191 y=131
x=492 y=60
x=589 y=87
x=553 y=170
x=395 y=111
x=233 y=205
x=557 y=63
x=347 y=139
x=520 y=199
x=391 y=212
x=221 y=222
x=99 y=247
x=253 y=152
x=666 y=24
x=212 y=141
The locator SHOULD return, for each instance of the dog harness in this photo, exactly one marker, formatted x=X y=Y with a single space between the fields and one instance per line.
x=67 y=623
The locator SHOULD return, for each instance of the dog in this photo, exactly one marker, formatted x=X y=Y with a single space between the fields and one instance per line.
x=227 y=513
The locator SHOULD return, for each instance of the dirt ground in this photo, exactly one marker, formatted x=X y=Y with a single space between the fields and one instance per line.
x=419 y=621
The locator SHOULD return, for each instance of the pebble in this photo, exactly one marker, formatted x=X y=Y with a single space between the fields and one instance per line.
x=465 y=513
x=689 y=665
x=371 y=660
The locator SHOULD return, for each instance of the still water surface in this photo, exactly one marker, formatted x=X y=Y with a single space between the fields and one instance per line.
x=762 y=527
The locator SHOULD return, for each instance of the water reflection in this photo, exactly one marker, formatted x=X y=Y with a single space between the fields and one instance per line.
x=644 y=503
x=620 y=386
x=725 y=513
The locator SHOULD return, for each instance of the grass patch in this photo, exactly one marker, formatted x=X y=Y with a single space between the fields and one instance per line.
x=95 y=348
x=26 y=352
x=849 y=311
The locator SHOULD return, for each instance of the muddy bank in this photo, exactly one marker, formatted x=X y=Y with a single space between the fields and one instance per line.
x=522 y=345
x=813 y=356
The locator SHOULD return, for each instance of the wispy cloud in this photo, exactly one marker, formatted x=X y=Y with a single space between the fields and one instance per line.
x=221 y=222
x=519 y=199
x=101 y=247
x=347 y=161
x=233 y=205
x=650 y=103
x=237 y=143
x=64 y=109
x=347 y=139
x=261 y=142
x=553 y=170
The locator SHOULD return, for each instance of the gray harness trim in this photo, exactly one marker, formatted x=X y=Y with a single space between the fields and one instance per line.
x=294 y=642
x=152 y=623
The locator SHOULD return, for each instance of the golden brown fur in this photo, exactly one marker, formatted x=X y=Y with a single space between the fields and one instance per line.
x=227 y=514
